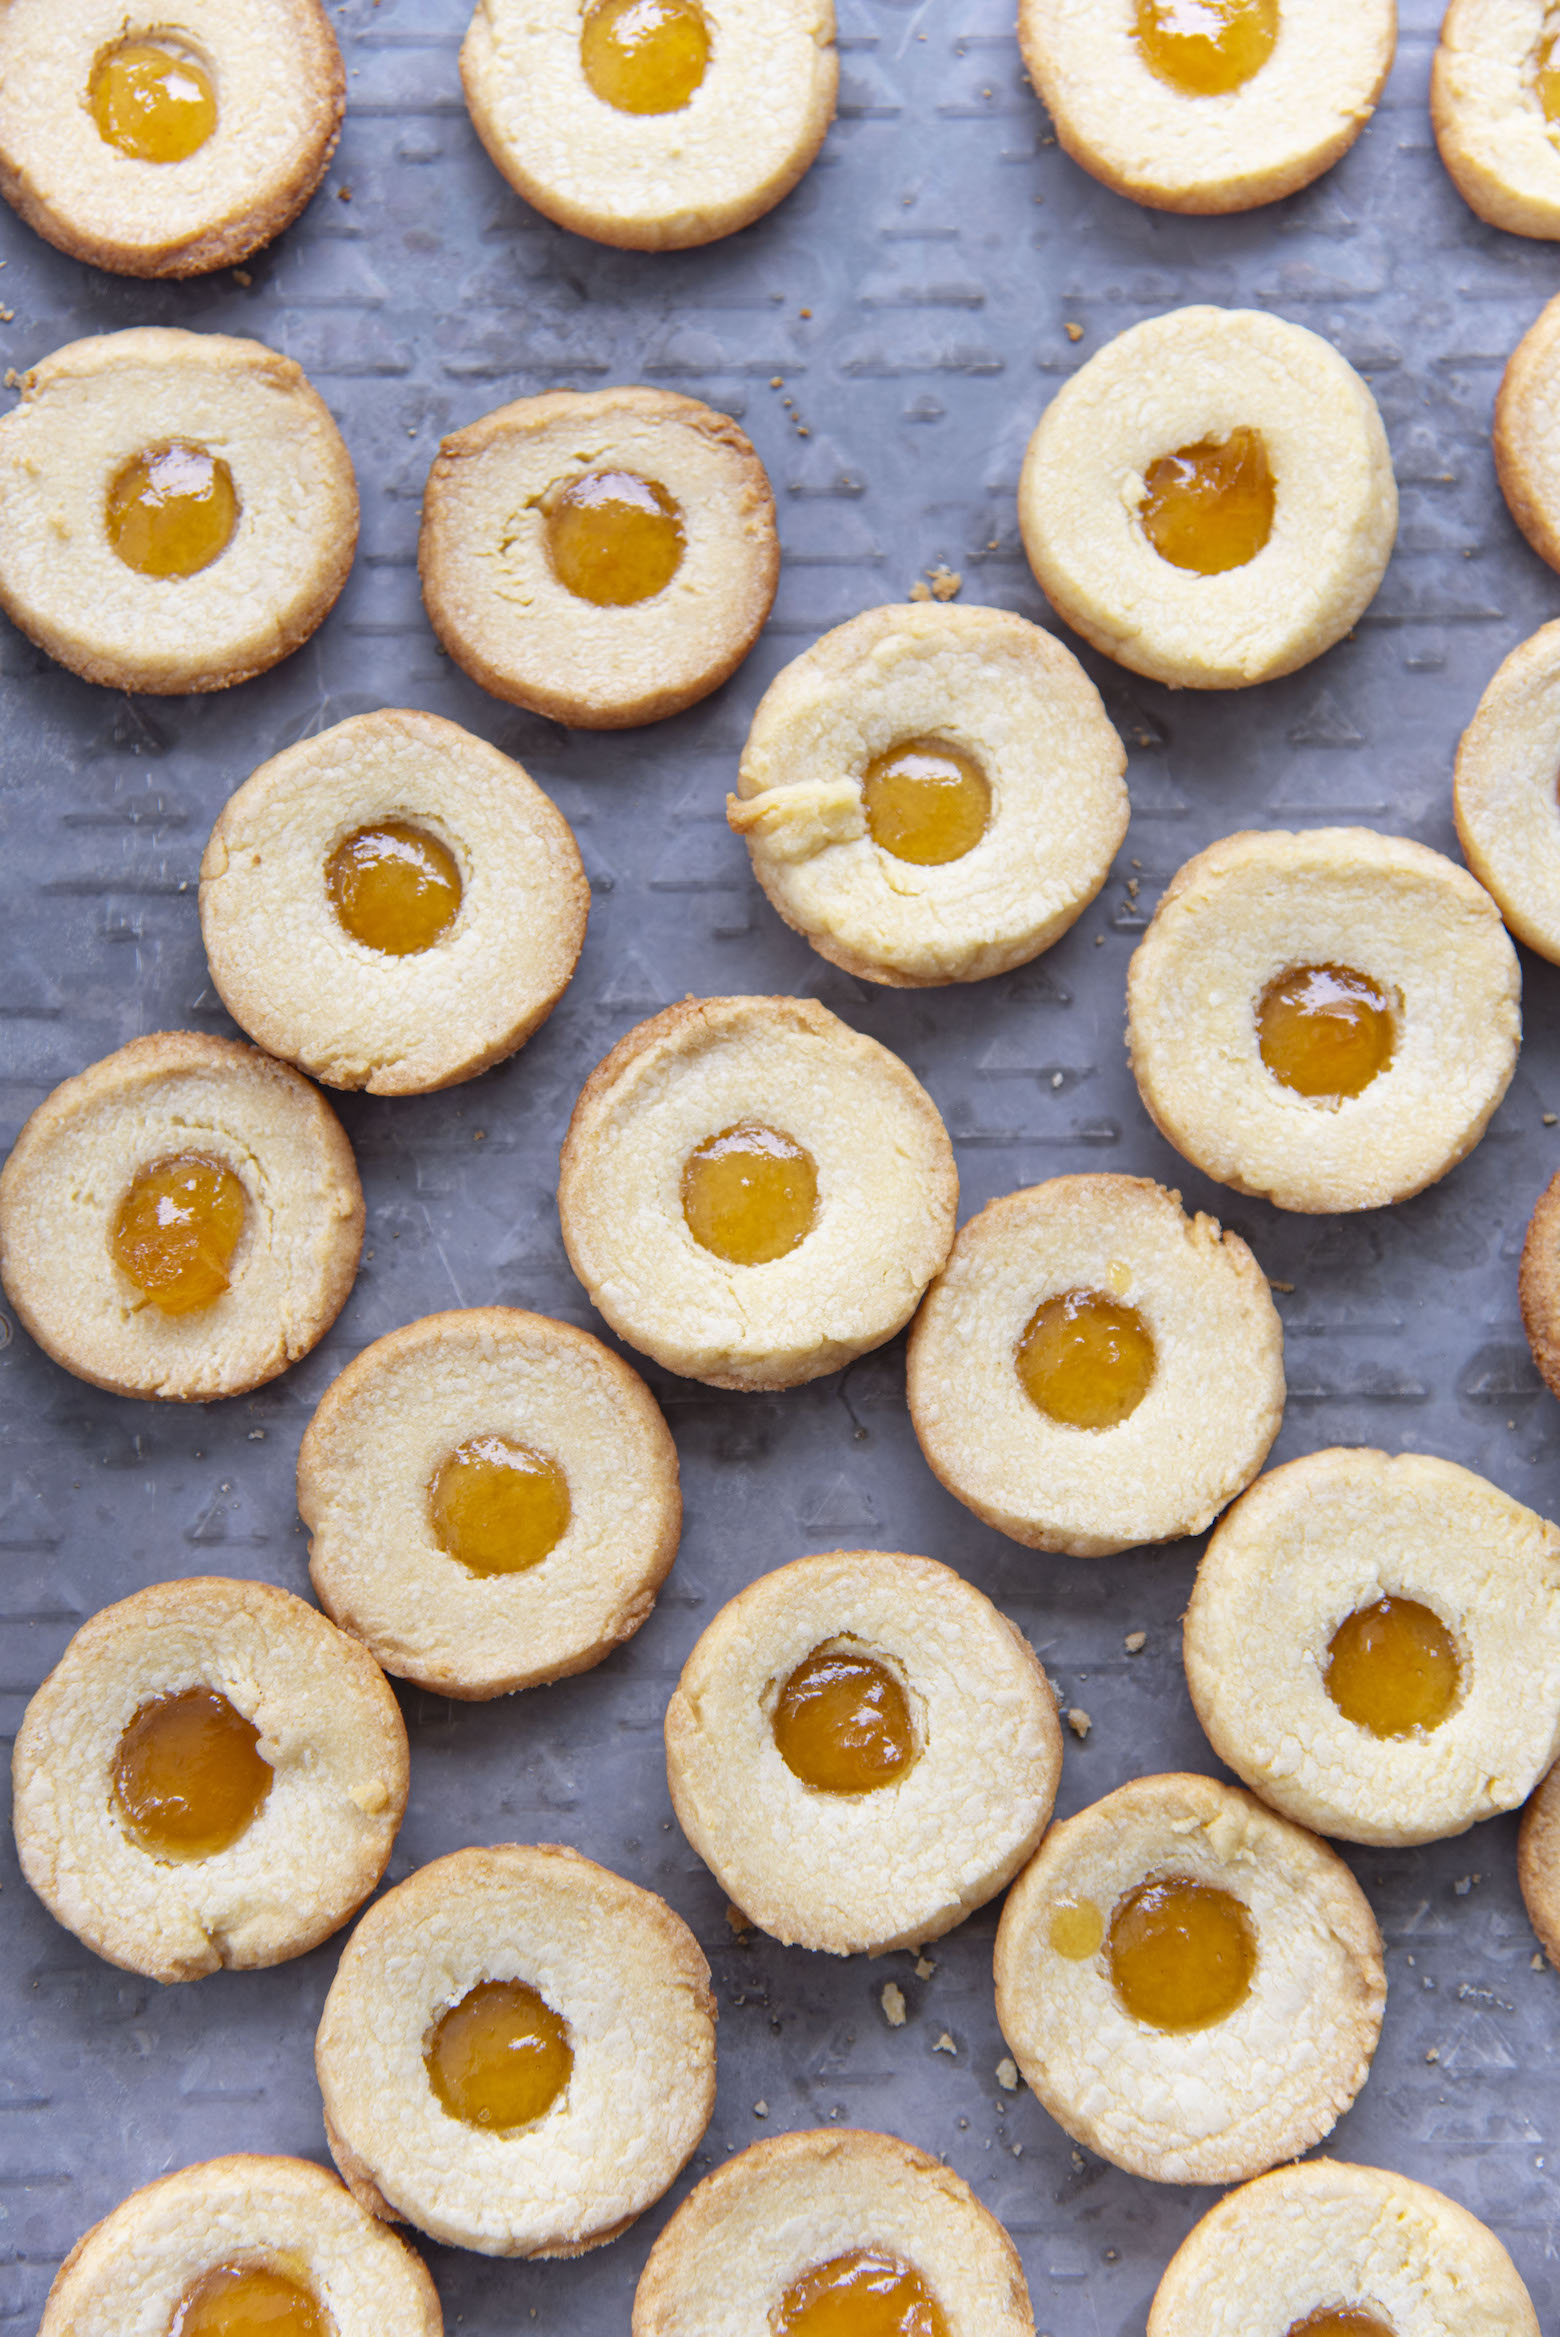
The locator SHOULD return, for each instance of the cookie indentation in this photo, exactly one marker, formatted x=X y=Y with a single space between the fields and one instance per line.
x=152 y=99
x=1209 y=507
x=171 y=510
x=865 y=2293
x=498 y=1507
x=1206 y=48
x=1392 y=1667
x=188 y=1777
x=613 y=538
x=1182 y=1953
x=1326 y=1031
x=843 y=1724
x=750 y=1194
x=177 y=1229
x=393 y=887
x=645 y=56
x=1086 y=1360
x=499 y=2058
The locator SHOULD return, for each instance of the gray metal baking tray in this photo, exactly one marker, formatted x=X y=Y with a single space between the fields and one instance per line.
x=914 y=297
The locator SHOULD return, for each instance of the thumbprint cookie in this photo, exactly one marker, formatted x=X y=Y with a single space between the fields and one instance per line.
x=1538 y=1863
x=1495 y=109
x=1505 y=797
x=1527 y=435
x=1538 y=1284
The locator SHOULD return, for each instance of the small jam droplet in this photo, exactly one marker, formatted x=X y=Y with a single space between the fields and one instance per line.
x=1077 y=1930
x=187 y=1776
x=1392 y=1668
x=1209 y=507
x=843 y=1725
x=498 y=1507
x=500 y=2057
x=1340 y=2321
x=926 y=802
x=1325 y=1031
x=249 y=2300
x=750 y=1194
x=867 y=2293
x=1182 y=1953
x=393 y=887
x=1546 y=80
x=172 y=510
x=614 y=538
x=1086 y=1360
x=645 y=56
x=1205 y=48
x=177 y=1228
x=152 y=101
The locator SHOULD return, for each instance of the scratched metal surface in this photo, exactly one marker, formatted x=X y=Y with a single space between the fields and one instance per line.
x=942 y=246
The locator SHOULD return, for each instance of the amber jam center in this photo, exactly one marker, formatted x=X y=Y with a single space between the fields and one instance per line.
x=613 y=538
x=394 y=887
x=749 y=1194
x=867 y=2293
x=1182 y=1953
x=1546 y=80
x=1340 y=2321
x=1325 y=1031
x=1209 y=507
x=498 y=1507
x=1076 y=1929
x=152 y=99
x=645 y=56
x=500 y=2058
x=1086 y=1360
x=172 y=510
x=843 y=1723
x=926 y=802
x=177 y=1228
x=1393 y=1668
x=1205 y=48
x=249 y=2300
x=187 y=1776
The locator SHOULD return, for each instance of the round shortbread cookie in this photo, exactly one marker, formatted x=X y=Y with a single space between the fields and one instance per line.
x=960 y=1801
x=1538 y=1863
x=1422 y=948
x=1488 y=110
x=620 y=1973
x=1538 y=1284
x=247 y=109
x=180 y=1096
x=1213 y=109
x=1333 y=2239
x=1504 y=795
x=496 y=502
x=885 y=1190
x=664 y=176
x=1212 y=1388
x=1182 y=385
x=90 y=1815
x=453 y=1384
x=95 y=411
x=1332 y=1537
x=756 y=2228
x=169 y=2245
x=1011 y=702
x=353 y=1013
x=1527 y=435
x=1231 y=2096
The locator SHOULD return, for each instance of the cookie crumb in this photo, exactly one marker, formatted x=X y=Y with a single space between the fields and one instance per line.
x=1007 y=2075
x=242 y=276
x=1537 y=1964
x=737 y=1920
x=920 y=591
x=946 y=583
x=1434 y=2053
x=804 y=312
x=343 y=194
x=893 y=2002
x=1078 y=1721
x=1136 y=1642
x=1073 y=332
x=1550 y=1118
x=924 y=1967
x=945 y=2044
x=1018 y=2150
x=760 y=2109
x=1287 y=1288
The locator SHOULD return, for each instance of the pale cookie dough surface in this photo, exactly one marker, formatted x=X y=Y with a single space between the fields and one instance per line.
x=621 y=1971
x=127 y=2276
x=1527 y=434
x=1201 y=1432
x=1505 y=796
x=1172 y=382
x=1313 y=1543
x=776 y=2211
x=653 y=182
x=504 y=616
x=887 y=1190
x=329 y=1728
x=60 y=1192
x=905 y=1862
x=1329 y=2236
x=999 y=690
x=296 y=980
x=1489 y=118
x=1539 y=1284
x=1182 y=151
x=1210 y=2105
x=376 y=1442
x=1538 y=1863
x=1255 y=906
x=91 y=409
x=278 y=80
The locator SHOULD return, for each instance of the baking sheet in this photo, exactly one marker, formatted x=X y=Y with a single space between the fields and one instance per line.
x=914 y=297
